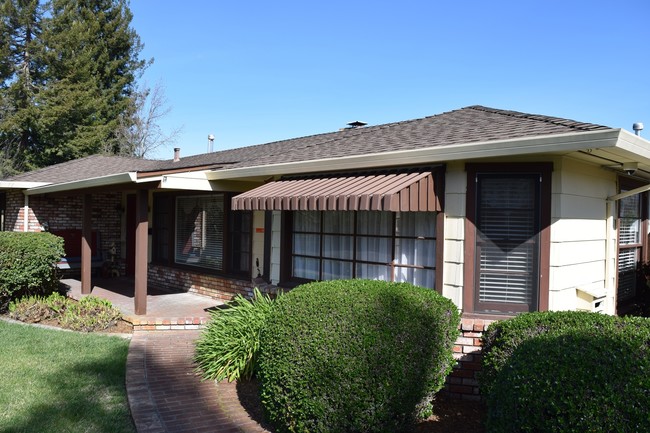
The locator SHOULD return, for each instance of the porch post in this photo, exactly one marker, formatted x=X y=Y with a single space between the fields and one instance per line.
x=141 y=251
x=86 y=236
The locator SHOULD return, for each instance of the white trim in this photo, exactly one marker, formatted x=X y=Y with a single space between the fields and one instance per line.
x=557 y=143
x=198 y=181
x=26 y=215
x=5 y=184
x=629 y=193
x=113 y=179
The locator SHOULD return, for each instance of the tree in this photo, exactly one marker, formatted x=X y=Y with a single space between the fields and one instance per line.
x=93 y=61
x=139 y=133
x=21 y=79
x=68 y=70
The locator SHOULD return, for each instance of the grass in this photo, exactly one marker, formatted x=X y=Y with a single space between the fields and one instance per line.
x=57 y=381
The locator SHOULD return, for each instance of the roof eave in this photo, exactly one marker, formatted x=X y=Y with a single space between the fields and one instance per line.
x=21 y=185
x=113 y=179
x=556 y=143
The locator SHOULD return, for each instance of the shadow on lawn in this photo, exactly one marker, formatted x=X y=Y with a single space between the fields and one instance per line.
x=100 y=407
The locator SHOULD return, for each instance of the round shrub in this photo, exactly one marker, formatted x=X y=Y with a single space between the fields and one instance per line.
x=229 y=345
x=504 y=337
x=27 y=265
x=569 y=372
x=354 y=355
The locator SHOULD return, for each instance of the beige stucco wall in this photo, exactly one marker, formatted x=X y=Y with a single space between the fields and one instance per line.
x=454 y=232
x=580 y=256
x=583 y=249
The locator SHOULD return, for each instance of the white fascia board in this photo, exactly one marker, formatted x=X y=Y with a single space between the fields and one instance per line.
x=637 y=148
x=198 y=181
x=113 y=179
x=21 y=185
x=548 y=144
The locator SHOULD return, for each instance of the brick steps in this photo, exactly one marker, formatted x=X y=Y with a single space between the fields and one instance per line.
x=166 y=324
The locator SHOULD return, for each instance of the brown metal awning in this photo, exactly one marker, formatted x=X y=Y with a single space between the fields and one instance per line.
x=395 y=192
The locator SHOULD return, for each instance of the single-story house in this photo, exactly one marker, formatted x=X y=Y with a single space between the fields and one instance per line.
x=500 y=211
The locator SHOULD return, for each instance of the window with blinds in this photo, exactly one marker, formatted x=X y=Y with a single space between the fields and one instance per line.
x=629 y=245
x=199 y=231
x=507 y=242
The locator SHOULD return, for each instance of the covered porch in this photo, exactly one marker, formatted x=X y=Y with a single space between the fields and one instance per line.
x=165 y=310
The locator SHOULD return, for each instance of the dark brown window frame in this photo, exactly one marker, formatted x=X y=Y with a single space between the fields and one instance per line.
x=544 y=169
x=288 y=280
x=626 y=184
x=227 y=248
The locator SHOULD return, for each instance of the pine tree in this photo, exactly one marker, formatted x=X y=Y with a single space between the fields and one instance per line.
x=21 y=80
x=93 y=62
x=68 y=71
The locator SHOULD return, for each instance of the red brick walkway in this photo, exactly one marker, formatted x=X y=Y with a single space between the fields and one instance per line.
x=166 y=395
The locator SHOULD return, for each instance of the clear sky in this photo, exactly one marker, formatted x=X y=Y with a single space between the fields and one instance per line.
x=252 y=72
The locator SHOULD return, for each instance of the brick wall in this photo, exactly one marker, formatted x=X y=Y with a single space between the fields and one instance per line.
x=462 y=382
x=66 y=212
x=218 y=287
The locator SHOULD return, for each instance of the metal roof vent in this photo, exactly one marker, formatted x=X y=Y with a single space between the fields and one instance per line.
x=177 y=154
x=356 y=124
x=638 y=127
x=210 y=143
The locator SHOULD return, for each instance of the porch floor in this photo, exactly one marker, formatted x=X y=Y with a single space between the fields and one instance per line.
x=165 y=310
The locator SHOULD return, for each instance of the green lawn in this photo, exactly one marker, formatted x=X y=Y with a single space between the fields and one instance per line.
x=56 y=381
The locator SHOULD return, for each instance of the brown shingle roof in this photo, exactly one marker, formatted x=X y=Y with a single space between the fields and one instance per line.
x=85 y=168
x=467 y=125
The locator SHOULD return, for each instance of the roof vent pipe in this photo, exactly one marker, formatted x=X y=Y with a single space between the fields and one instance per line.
x=177 y=154
x=638 y=127
x=210 y=142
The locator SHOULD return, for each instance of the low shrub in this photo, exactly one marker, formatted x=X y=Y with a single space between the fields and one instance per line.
x=229 y=345
x=355 y=355
x=30 y=309
x=89 y=314
x=27 y=265
x=567 y=372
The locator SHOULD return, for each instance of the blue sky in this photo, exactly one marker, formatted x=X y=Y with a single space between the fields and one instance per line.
x=253 y=72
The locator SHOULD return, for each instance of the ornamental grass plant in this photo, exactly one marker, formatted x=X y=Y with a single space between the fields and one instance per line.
x=230 y=343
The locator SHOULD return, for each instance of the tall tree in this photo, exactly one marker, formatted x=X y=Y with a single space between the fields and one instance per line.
x=93 y=63
x=21 y=80
x=68 y=70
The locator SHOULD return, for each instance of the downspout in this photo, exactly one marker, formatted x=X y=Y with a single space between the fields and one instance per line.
x=26 y=215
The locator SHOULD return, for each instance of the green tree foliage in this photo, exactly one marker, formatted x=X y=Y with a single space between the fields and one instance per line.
x=21 y=78
x=69 y=78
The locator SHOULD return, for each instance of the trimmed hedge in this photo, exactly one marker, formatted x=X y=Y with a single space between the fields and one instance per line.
x=27 y=265
x=567 y=372
x=355 y=356
x=229 y=345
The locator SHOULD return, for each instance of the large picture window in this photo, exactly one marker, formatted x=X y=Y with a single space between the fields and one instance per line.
x=200 y=231
x=387 y=246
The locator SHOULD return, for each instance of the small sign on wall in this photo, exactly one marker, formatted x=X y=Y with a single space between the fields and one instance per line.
x=259 y=229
